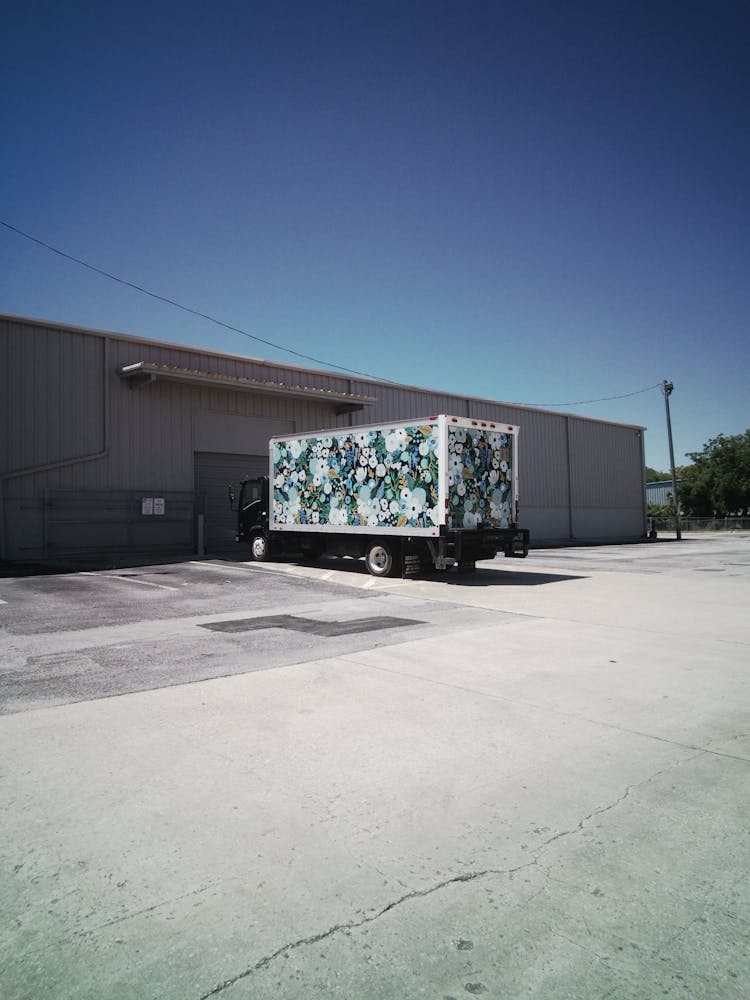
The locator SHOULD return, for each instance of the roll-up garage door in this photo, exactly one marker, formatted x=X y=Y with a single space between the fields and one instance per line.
x=213 y=474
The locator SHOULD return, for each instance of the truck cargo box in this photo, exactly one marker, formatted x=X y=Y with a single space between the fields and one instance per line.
x=410 y=478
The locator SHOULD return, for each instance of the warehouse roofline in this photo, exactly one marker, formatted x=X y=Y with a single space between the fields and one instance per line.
x=187 y=348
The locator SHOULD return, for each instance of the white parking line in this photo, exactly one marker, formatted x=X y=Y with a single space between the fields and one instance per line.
x=131 y=579
x=343 y=576
x=226 y=567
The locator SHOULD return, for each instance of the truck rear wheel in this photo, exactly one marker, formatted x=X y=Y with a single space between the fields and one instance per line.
x=379 y=559
x=259 y=548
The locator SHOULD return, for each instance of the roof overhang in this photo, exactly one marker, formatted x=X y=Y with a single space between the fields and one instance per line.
x=145 y=372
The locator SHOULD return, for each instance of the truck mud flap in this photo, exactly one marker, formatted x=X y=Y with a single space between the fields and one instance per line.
x=519 y=545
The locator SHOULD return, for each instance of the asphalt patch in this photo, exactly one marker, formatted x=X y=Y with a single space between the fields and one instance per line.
x=312 y=626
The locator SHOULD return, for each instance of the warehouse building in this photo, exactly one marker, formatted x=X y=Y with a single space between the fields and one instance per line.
x=114 y=446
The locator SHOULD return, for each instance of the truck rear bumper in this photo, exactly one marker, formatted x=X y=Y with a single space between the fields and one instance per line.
x=464 y=546
x=519 y=544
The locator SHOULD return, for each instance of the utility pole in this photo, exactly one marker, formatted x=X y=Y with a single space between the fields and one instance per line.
x=668 y=387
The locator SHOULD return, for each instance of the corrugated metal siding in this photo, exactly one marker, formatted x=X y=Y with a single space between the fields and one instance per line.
x=605 y=465
x=660 y=493
x=47 y=409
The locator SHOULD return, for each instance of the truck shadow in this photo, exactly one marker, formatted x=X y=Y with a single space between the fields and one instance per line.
x=501 y=578
x=479 y=577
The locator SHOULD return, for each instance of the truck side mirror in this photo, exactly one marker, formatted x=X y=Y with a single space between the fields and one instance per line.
x=231 y=495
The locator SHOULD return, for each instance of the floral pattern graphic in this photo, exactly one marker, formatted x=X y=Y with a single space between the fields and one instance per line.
x=390 y=478
x=479 y=478
x=377 y=478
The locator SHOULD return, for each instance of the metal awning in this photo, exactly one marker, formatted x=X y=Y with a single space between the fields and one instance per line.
x=145 y=372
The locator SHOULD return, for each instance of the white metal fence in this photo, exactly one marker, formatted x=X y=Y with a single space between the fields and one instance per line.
x=701 y=523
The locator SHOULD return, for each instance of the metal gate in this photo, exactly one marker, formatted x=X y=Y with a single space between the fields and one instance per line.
x=93 y=523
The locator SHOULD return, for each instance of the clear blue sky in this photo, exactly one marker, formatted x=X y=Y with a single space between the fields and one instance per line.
x=534 y=202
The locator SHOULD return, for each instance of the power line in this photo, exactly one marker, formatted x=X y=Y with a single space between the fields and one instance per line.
x=179 y=305
x=602 y=399
x=262 y=340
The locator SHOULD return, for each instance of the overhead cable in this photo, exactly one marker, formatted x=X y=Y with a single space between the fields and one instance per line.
x=602 y=399
x=263 y=340
x=179 y=305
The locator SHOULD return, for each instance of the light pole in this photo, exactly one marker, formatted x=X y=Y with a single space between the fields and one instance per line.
x=668 y=387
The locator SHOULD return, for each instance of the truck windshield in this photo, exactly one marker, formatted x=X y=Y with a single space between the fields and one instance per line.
x=251 y=490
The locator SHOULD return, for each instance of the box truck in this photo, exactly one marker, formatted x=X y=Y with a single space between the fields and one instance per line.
x=426 y=493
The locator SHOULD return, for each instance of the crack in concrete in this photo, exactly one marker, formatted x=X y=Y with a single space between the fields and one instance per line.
x=679 y=933
x=264 y=962
x=665 y=739
x=146 y=909
x=581 y=947
x=628 y=789
x=547 y=709
x=596 y=812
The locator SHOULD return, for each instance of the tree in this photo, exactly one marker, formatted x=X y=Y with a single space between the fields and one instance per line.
x=652 y=476
x=662 y=509
x=718 y=482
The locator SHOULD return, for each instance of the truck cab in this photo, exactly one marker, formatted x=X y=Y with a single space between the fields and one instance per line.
x=252 y=516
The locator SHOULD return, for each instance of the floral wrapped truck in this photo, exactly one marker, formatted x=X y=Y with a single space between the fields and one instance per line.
x=431 y=493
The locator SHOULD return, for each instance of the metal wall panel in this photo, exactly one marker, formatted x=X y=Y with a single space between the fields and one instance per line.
x=607 y=473
x=599 y=524
x=48 y=412
x=606 y=465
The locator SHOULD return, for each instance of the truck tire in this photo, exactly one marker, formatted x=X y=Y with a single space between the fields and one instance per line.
x=259 y=548
x=379 y=559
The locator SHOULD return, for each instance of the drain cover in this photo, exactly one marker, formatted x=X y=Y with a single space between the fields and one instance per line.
x=312 y=626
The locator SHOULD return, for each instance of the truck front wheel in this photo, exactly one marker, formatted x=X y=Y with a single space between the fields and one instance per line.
x=379 y=559
x=259 y=548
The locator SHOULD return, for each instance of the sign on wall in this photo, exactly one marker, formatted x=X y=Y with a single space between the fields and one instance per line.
x=152 y=505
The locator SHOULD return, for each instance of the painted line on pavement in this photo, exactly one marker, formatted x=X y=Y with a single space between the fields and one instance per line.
x=131 y=579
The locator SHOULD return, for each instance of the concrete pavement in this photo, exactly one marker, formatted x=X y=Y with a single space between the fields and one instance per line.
x=551 y=801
